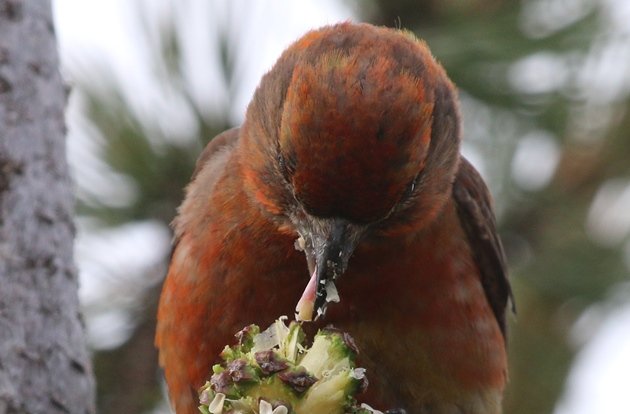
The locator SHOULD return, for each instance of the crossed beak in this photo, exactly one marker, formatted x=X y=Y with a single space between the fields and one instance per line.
x=328 y=245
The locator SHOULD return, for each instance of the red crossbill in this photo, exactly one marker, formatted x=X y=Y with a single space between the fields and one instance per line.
x=350 y=146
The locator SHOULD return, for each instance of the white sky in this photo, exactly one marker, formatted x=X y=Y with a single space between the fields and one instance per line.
x=93 y=31
x=599 y=382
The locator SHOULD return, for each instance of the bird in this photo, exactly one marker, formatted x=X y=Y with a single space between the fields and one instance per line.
x=346 y=172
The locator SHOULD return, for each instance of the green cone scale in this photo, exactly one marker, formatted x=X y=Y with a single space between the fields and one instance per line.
x=274 y=372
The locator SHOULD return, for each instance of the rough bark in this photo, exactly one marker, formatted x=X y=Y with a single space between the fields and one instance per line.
x=44 y=364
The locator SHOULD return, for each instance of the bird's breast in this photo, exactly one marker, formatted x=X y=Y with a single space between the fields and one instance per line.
x=421 y=319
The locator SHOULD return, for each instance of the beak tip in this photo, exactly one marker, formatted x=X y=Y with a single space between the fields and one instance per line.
x=327 y=255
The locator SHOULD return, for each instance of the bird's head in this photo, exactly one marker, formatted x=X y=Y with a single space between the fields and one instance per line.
x=354 y=130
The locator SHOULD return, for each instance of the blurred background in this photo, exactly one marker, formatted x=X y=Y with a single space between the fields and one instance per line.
x=545 y=92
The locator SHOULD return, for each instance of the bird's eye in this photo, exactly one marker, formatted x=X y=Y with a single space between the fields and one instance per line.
x=411 y=187
x=281 y=163
x=286 y=168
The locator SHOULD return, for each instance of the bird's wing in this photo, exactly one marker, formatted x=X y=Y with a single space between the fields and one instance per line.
x=474 y=207
x=173 y=338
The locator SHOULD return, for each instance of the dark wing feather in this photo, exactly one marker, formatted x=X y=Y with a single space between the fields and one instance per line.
x=474 y=207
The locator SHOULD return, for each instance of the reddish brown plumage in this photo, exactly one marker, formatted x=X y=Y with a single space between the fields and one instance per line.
x=354 y=124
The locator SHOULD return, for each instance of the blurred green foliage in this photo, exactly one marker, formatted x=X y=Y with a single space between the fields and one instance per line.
x=558 y=269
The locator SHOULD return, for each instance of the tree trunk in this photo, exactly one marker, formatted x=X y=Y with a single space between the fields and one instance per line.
x=44 y=364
